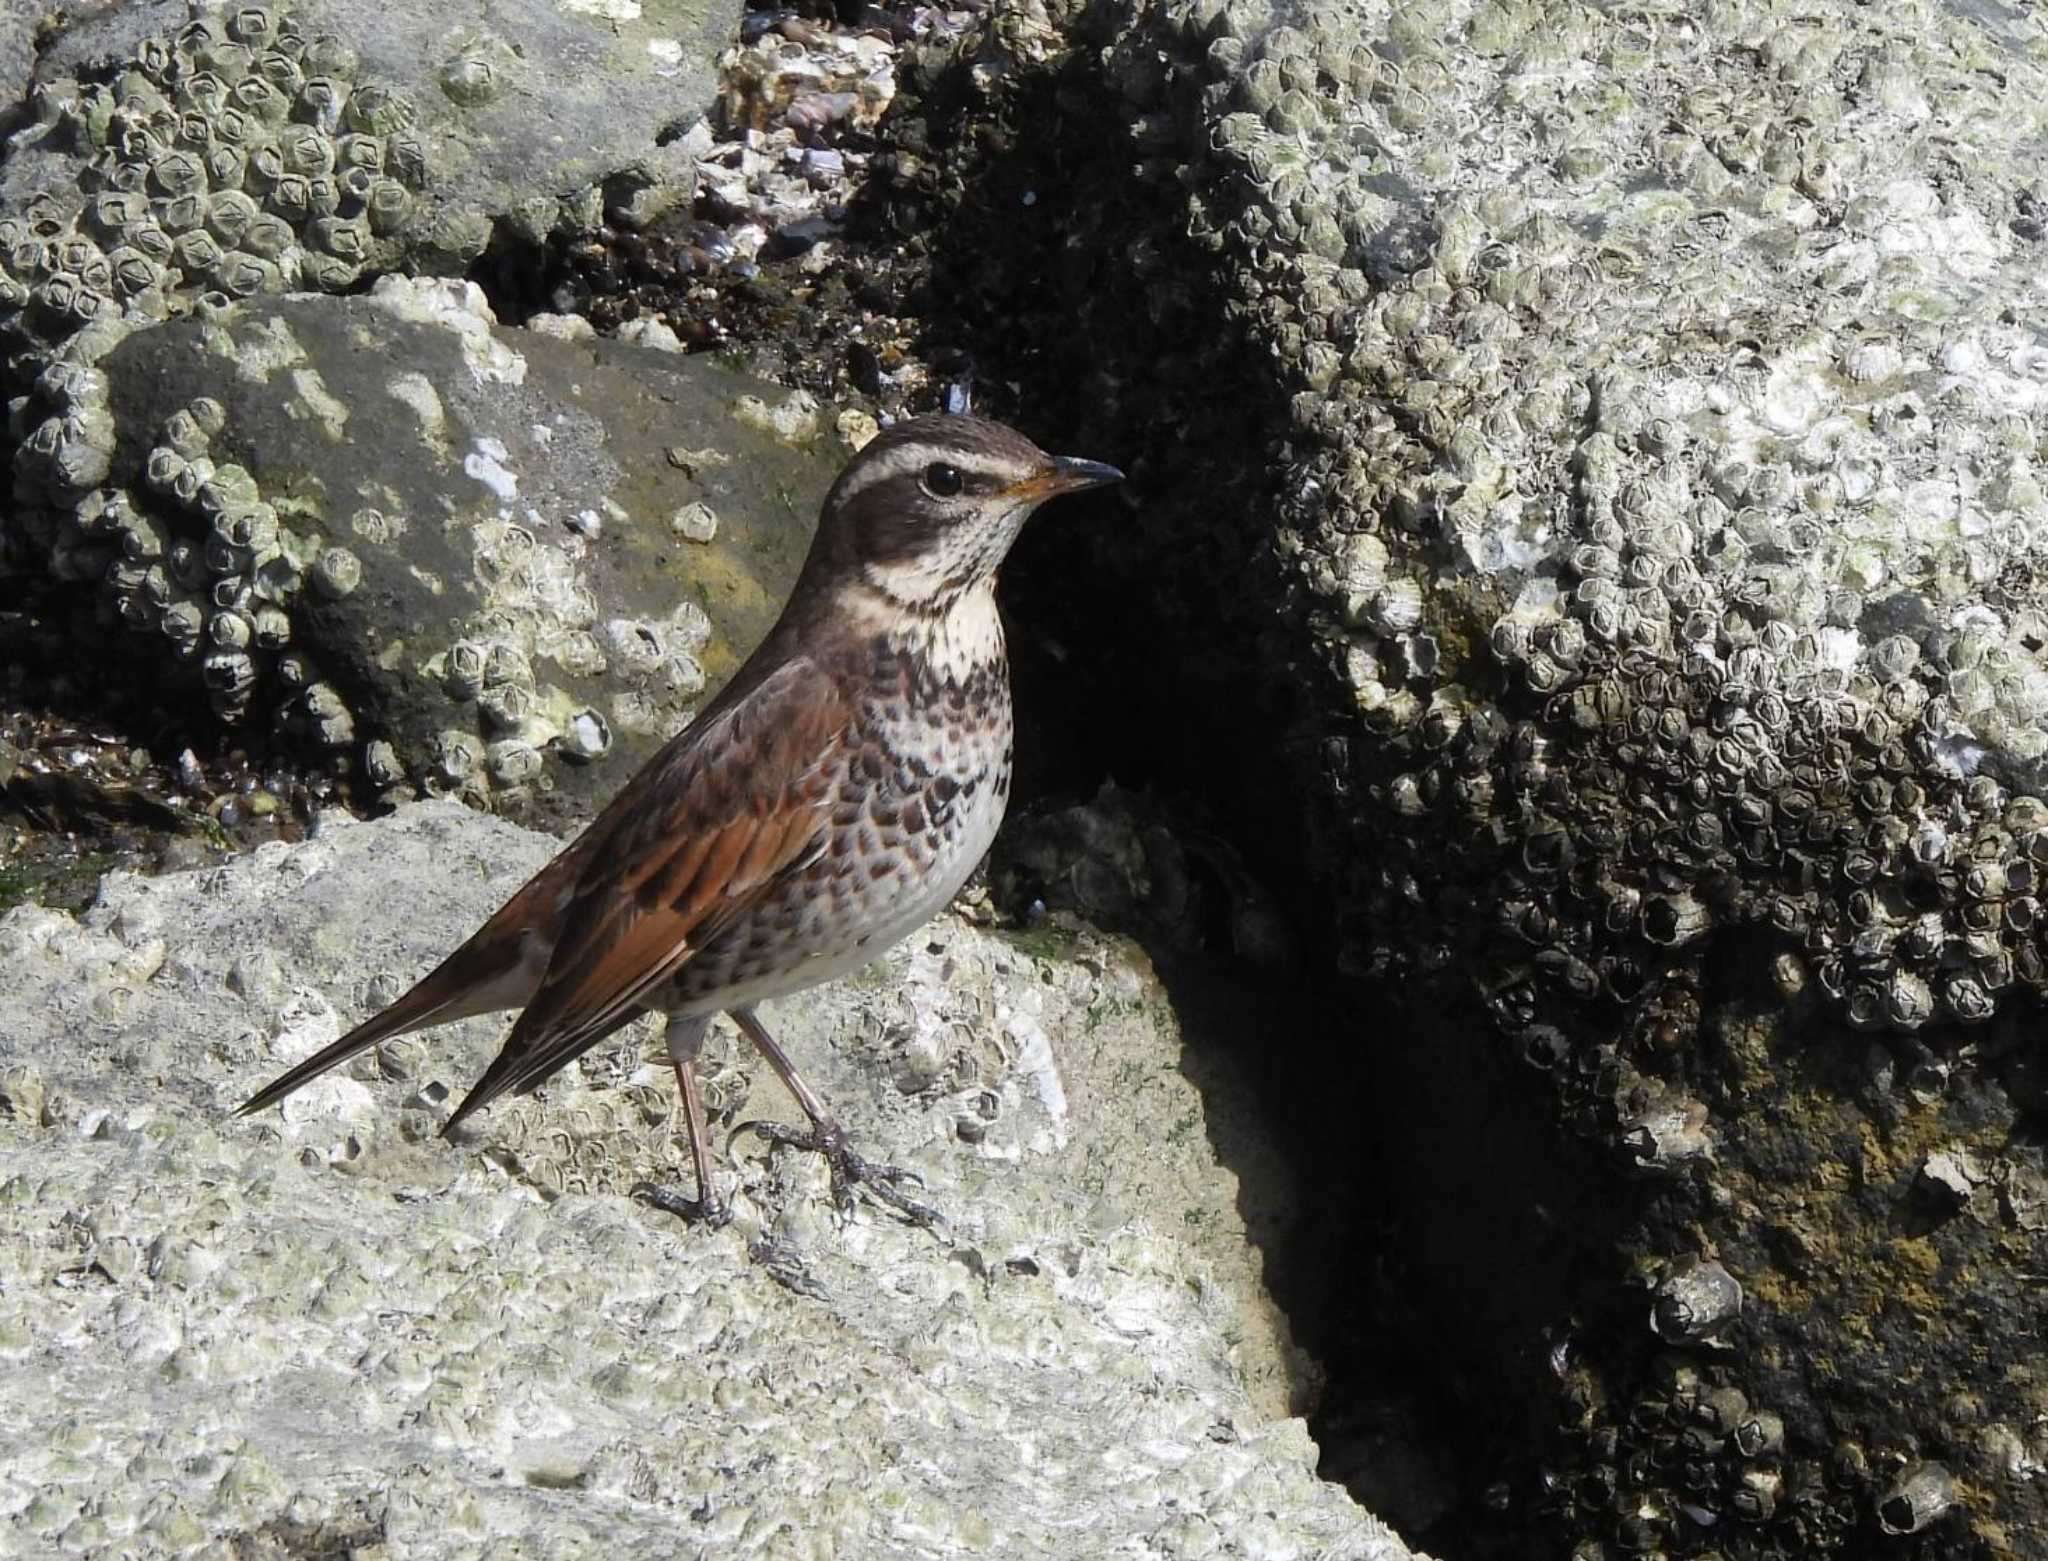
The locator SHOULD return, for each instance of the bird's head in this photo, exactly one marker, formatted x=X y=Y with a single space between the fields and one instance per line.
x=928 y=510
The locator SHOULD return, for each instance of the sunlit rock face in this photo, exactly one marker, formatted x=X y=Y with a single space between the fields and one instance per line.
x=332 y=1324
x=307 y=517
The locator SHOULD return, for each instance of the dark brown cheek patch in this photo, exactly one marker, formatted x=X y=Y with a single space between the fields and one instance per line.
x=897 y=540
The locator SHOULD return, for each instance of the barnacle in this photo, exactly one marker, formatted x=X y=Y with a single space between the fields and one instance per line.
x=1920 y=1496
x=336 y=572
x=586 y=736
x=215 y=166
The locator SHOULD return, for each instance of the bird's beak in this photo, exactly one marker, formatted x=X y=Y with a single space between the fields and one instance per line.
x=1066 y=474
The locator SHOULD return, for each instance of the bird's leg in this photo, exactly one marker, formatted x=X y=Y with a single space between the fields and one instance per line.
x=684 y=1036
x=825 y=1136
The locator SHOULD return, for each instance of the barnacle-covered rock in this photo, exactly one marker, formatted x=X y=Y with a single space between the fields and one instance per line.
x=202 y=190
x=175 y=161
x=417 y=100
x=1673 y=406
x=185 y=1244
x=498 y=621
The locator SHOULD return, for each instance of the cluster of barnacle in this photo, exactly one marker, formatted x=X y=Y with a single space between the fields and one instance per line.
x=195 y=555
x=1751 y=776
x=1622 y=661
x=498 y=678
x=1693 y=1453
x=520 y=720
x=1682 y=719
x=238 y=157
x=592 y=1143
x=216 y=582
x=1693 y=1465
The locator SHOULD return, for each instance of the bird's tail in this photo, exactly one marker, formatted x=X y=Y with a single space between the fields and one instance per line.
x=477 y=978
x=395 y=1020
x=499 y=967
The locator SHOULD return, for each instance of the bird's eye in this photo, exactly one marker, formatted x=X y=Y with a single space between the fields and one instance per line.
x=942 y=481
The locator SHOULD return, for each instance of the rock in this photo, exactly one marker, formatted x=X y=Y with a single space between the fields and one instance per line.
x=516 y=117
x=184 y=169
x=176 y=159
x=1718 y=574
x=1586 y=488
x=17 y=62
x=457 y=553
x=350 y=1327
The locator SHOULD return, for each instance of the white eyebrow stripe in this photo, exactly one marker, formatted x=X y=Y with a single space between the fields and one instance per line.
x=882 y=469
x=915 y=457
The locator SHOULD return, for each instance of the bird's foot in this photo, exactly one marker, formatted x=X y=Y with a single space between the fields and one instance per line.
x=848 y=1169
x=707 y=1209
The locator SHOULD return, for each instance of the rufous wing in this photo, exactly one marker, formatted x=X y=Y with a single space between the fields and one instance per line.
x=717 y=823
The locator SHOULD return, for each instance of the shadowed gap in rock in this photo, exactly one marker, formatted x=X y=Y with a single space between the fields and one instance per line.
x=1435 y=1230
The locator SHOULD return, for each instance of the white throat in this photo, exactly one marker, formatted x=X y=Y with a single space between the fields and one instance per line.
x=971 y=633
x=968 y=634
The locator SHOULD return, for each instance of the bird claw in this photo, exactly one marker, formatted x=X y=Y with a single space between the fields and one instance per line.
x=848 y=1169
x=707 y=1209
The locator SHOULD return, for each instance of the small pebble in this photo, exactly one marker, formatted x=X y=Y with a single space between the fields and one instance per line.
x=696 y=522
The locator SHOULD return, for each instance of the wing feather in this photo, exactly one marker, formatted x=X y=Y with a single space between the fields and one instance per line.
x=726 y=819
x=492 y=970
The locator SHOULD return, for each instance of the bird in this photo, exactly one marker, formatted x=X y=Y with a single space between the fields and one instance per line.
x=830 y=799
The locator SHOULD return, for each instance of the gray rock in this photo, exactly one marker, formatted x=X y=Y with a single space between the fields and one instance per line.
x=465 y=568
x=517 y=109
x=336 y=1327
x=17 y=61
x=177 y=158
x=178 y=166
x=1671 y=514
x=1595 y=468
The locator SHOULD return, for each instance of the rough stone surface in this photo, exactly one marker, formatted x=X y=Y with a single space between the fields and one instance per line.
x=179 y=164
x=524 y=111
x=1609 y=448
x=336 y=1328
x=17 y=57
x=516 y=599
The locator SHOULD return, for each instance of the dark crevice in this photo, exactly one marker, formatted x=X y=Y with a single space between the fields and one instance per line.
x=518 y=276
x=1419 y=1250
x=1447 y=1261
